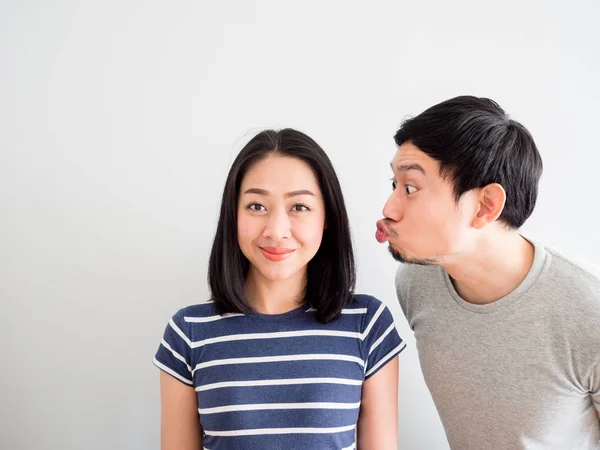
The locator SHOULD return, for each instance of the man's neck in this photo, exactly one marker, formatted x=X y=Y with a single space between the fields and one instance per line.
x=493 y=268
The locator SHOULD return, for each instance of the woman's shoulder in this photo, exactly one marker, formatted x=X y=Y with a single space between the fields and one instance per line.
x=198 y=312
x=361 y=301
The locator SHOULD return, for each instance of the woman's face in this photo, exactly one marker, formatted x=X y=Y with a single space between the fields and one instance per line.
x=281 y=217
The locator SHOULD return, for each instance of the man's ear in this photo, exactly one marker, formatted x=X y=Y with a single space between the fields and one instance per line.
x=491 y=200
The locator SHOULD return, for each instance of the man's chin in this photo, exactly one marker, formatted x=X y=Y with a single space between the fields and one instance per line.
x=400 y=257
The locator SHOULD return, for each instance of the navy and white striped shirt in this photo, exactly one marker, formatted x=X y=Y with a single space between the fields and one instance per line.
x=280 y=381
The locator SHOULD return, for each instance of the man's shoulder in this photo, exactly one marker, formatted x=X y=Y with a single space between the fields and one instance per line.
x=576 y=269
x=573 y=286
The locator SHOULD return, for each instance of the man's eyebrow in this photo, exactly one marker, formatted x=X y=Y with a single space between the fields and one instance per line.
x=289 y=194
x=407 y=167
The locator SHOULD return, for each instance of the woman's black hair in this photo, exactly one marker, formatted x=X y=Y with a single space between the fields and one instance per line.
x=331 y=273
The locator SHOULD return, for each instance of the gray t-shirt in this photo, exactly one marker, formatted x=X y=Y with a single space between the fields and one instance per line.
x=522 y=372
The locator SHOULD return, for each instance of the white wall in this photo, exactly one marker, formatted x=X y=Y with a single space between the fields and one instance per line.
x=118 y=121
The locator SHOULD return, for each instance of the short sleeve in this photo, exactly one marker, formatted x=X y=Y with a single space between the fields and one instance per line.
x=381 y=341
x=594 y=386
x=174 y=353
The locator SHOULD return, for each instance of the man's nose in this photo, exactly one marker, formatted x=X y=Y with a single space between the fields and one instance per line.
x=394 y=207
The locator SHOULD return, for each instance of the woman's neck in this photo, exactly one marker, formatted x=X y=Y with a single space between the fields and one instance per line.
x=275 y=296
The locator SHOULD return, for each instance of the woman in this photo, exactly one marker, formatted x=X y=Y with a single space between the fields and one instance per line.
x=284 y=356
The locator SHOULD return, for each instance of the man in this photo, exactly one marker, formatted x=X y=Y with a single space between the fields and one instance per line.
x=508 y=331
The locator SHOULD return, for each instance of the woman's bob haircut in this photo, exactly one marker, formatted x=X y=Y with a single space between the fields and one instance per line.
x=331 y=274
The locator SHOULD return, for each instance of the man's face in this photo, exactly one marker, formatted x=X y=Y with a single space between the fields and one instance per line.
x=423 y=222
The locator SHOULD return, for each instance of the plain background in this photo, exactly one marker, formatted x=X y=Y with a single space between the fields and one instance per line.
x=119 y=120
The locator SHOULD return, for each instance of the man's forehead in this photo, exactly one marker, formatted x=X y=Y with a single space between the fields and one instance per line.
x=410 y=150
x=409 y=156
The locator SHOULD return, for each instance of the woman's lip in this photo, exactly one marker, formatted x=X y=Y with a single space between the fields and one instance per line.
x=276 y=254
x=277 y=250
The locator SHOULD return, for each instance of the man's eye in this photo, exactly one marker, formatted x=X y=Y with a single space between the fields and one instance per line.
x=410 y=189
x=394 y=185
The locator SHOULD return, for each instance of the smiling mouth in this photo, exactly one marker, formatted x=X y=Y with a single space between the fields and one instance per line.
x=276 y=253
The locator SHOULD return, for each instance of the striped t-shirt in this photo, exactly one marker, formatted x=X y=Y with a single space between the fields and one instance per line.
x=280 y=381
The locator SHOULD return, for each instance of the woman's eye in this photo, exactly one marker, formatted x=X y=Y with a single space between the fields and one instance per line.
x=410 y=189
x=256 y=207
x=299 y=207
